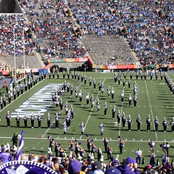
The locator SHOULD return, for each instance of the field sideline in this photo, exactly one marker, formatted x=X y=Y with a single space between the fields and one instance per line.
x=154 y=98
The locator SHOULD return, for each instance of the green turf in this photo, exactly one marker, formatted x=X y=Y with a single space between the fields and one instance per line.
x=154 y=98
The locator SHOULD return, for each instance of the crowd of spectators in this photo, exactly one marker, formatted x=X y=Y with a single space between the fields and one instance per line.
x=147 y=26
x=72 y=163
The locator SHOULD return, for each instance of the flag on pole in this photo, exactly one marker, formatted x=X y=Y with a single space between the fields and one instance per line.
x=21 y=144
x=5 y=83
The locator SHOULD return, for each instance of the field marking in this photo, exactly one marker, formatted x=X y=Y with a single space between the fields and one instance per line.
x=20 y=95
x=151 y=110
x=98 y=140
x=92 y=109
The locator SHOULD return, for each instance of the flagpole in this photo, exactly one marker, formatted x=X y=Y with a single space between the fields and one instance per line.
x=24 y=48
x=14 y=52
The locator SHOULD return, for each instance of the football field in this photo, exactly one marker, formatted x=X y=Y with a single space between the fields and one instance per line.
x=154 y=98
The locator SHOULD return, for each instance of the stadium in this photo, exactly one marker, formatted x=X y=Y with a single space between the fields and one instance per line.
x=86 y=86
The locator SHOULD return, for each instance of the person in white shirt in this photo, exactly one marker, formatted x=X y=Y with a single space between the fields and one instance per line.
x=138 y=156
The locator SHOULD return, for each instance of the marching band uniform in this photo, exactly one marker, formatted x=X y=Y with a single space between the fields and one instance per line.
x=122 y=96
x=123 y=120
x=113 y=112
x=48 y=120
x=130 y=99
x=99 y=154
x=105 y=109
x=129 y=83
x=56 y=121
x=112 y=93
x=108 y=91
x=90 y=81
x=87 y=99
x=129 y=121
x=39 y=118
x=138 y=120
x=148 y=122
x=82 y=125
x=80 y=95
x=101 y=128
x=32 y=121
x=118 y=117
x=94 y=83
x=172 y=125
x=17 y=121
x=98 y=105
x=8 y=118
x=64 y=127
x=156 y=122
x=25 y=121
x=165 y=124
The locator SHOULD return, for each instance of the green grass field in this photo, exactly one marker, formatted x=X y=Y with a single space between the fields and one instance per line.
x=154 y=98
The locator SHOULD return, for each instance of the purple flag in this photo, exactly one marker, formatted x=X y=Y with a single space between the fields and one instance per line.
x=21 y=144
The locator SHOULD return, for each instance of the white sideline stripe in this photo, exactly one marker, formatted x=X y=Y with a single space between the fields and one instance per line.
x=151 y=110
x=92 y=109
x=20 y=95
x=98 y=140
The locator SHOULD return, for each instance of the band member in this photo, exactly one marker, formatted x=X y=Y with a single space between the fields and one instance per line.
x=156 y=122
x=85 y=78
x=124 y=120
x=48 y=120
x=124 y=82
x=93 y=149
x=76 y=92
x=78 y=76
x=82 y=125
x=99 y=154
x=101 y=128
x=56 y=121
x=80 y=95
x=112 y=93
x=64 y=127
x=118 y=117
x=57 y=74
x=87 y=99
x=129 y=84
x=165 y=124
x=105 y=109
x=122 y=96
x=135 y=100
x=71 y=90
x=108 y=90
x=129 y=122
x=90 y=81
x=172 y=124
x=66 y=108
x=61 y=104
x=32 y=120
x=4 y=101
x=92 y=101
x=94 y=83
x=121 y=145
x=138 y=156
x=81 y=77
x=72 y=112
x=131 y=74
x=98 y=105
x=138 y=120
x=8 y=119
x=17 y=120
x=130 y=99
x=102 y=87
x=148 y=122
x=99 y=86
x=115 y=77
x=1 y=102
x=25 y=120
x=113 y=112
x=105 y=141
x=39 y=118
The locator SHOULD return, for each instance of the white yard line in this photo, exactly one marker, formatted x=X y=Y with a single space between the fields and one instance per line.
x=92 y=109
x=97 y=140
x=151 y=109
